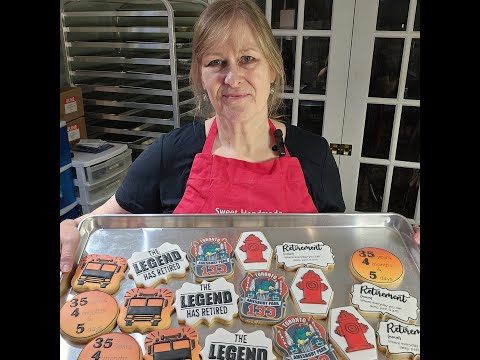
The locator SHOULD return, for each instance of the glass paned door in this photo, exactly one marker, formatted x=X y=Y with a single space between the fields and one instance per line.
x=382 y=111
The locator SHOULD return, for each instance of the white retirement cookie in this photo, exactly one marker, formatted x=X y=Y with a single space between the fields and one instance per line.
x=224 y=345
x=399 y=341
x=370 y=299
x=206 y=302
x=293 y=255
x=253 y=251
x=154 y=266
x=302 y=338
x=351 y=335
x=211 y=258
x=312 y=292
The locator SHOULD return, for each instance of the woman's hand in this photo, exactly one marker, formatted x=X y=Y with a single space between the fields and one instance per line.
x=416 y=234
x=69 y=239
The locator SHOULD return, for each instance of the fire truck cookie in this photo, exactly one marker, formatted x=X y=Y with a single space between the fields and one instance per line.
x=172 y=344
x=145 y=310
x=88 y=315
x=211 y=258
x=206 y=303
x=377 y=266
x=386 y=304
x=351 y=335
x=112 y=346
x=224 y=345
x=253 y=251
x=157 y=265
x=398 y=340
x=263 y=296
x=293 y=255
x=99 y=272
x=312 y=292
x=302 y=338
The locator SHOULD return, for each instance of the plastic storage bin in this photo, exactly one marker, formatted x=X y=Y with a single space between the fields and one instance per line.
x=65 y=156
x=88 y=208
x=95 y=193
x=67 y=189
x=70 y=212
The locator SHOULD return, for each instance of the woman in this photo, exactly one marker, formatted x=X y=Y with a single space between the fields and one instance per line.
x=237 y=161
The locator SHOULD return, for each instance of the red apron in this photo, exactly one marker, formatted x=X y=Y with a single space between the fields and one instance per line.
x=219 y=185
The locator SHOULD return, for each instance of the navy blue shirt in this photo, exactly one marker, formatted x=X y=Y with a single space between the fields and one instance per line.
x=157 y=179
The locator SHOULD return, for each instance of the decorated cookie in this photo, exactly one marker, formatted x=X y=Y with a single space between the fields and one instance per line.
x=302 y=338
x=112 y=346
x=157 y=265
x=253 y=251
x=206 y=303
x=351 y=335
x=172 y=344
x=224 y=345
x=145 y=310
x=211 y=258
x=377 y=266
x=312 y=292
x=372 y=300
x=88 y=315
x=99 y=272
x=263 y=297
x=399 y=341
x=293 y=255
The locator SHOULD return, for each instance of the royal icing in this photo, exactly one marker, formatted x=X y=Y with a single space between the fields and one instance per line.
x=253 y=251
x=351 y=335
x=370 y=299
x=312 y=292
x=211 y=258
x=112 y=346
x=172 y=344
x=224 y=345
x=302 y=338
x=145 y=310
x=157 y=265
x=262 y=297
x=206 y=302
x=99 y=272
x=377 y=266
x=399 y=340
x=293 y=255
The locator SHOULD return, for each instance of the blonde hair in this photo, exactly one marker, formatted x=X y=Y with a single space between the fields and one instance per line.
x=215 y=25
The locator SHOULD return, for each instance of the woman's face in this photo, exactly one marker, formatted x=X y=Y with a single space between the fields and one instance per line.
x=237 y=77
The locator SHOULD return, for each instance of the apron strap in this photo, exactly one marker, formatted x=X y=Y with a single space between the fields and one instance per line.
x=208 y=146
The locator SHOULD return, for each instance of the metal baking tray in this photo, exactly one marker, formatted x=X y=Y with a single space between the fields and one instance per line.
x=121 y=235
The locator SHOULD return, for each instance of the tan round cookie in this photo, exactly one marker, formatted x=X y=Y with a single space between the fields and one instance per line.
x=88 y=315
x=112 y=346
x=99 y=272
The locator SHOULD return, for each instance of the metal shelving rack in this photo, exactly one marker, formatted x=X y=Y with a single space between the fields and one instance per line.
x=131 y=58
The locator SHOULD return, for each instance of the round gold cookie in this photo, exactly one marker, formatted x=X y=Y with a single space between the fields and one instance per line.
x=88 y=315
x=112 y=346
x=377 y=266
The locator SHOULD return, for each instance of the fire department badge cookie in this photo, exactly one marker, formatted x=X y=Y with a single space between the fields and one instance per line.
x=112 y=346
x=263 y=297
x=312 y=292
x=206 y=303
x=351 y=335
x=293 y=255
x=157 y=265
x=398 y=340
x=88 y=315
x=253 y=251
x=99 y=272
x=387 y=304
x=302 y=338
x=172 y=344
x=145 y=310
x=224 y=345
x=377 y=266
x=211 y=258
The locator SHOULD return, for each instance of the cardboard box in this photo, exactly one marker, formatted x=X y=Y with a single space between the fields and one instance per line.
x=76 y=130
x=71 y=103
